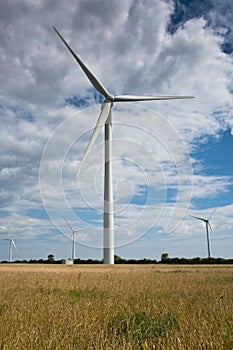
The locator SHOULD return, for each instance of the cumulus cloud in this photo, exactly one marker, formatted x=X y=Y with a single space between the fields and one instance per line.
x=133 y=47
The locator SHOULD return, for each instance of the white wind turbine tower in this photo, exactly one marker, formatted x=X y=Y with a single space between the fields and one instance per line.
x=12 y=243
x=73 y=236
x=207 y=225
x=105 y=119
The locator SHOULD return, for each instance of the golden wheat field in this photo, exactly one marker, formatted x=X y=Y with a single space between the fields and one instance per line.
x=116 y=307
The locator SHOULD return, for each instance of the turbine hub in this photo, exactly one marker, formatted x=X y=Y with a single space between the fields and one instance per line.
x=110 y=98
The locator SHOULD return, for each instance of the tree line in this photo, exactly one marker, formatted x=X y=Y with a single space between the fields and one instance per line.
x=165 y=259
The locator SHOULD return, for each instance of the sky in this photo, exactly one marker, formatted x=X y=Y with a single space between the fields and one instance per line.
x=171 y=159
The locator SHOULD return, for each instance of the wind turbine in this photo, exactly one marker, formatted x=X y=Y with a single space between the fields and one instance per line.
x=12 y=243
x=207 y=225
x=105 y=119
x=73 y=237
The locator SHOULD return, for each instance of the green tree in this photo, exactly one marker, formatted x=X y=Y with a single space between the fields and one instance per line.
x=117 y=258
x=51 y=258
x=164 y=257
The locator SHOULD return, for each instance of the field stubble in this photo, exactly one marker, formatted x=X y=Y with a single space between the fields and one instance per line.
x=116 y=307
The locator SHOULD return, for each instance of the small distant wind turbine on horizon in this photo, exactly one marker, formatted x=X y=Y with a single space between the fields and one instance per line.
x=105 y=119
x=73 y=236
x=12 y=243
x=207 y=224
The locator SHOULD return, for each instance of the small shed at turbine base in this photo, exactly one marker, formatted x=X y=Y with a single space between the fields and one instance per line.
x=67 y=261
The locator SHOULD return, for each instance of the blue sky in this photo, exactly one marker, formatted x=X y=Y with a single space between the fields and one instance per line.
x=170 y=158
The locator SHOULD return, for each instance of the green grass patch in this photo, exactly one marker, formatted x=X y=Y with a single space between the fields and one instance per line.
x=49 y=291
x=2 y=308
x=73 y=294
x=141 y=326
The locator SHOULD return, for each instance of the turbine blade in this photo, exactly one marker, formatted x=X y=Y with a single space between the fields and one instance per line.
x=82 y=229
x=106 y=106
x=13 y=242
x=196 y=217
x=128 y=98
x=212 y=213
x=95 y=82
x=68 y=224
x=210 y=228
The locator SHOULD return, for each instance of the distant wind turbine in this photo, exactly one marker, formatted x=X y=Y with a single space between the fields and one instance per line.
x=207 y=225
x=12 y=243
x=73 y=236
x=105 y=119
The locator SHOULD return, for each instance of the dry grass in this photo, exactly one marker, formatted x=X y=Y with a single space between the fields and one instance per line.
x=116 y=307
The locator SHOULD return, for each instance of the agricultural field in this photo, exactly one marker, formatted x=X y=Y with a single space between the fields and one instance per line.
x=116 y=307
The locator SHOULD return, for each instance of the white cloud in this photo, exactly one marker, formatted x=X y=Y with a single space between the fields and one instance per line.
x=130 y=52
